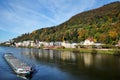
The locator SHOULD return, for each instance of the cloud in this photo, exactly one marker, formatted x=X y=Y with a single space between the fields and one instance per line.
x=22 y=19
x=27 y=15
x=64 y=9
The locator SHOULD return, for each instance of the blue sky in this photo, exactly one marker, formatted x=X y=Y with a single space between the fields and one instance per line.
x=23 y=16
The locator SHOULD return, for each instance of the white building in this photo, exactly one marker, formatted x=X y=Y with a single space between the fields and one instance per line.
x=25 y=44
x=44 y=43
x=18 y=44
x=89 y=41
x=69 y=45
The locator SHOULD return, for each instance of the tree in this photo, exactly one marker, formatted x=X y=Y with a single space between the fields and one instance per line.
x=113 y=34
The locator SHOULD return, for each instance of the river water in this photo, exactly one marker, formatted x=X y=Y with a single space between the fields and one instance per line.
x=62 y=65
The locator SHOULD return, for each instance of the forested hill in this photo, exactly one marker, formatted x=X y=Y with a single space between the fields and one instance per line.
x=103 y=24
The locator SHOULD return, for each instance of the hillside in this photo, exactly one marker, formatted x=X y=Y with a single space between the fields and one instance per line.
x=103 y=24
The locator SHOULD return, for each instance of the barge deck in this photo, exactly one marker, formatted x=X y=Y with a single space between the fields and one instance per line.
x=20 y=68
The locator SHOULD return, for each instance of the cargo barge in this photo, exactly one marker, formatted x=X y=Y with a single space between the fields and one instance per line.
x=20 y=68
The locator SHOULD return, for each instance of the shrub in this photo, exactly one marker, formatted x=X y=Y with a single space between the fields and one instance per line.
x=94 y=51
x=117 y=52
x=107 y=46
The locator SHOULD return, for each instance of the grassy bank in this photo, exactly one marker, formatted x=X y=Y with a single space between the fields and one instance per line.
x=93 y=51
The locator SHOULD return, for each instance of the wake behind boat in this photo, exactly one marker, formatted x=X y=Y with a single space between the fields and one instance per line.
x=20 y=68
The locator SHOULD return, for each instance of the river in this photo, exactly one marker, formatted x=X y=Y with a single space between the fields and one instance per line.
x=62 y=65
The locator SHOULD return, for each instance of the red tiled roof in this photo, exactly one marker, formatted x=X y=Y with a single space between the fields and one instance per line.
x=90 y=39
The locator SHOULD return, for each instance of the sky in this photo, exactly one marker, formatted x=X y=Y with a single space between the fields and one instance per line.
x=24 y=16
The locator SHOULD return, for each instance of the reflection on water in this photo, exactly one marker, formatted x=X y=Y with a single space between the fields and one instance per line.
x=68 y=57
x=75 y=65
x=51 y=55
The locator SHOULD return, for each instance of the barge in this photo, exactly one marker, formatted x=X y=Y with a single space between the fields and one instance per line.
x=20 y=68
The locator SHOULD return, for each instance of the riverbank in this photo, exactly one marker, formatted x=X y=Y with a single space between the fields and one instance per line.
x=93 y=51
x=110 y=51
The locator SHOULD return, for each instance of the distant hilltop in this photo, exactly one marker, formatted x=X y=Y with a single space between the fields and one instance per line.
x=102 y=24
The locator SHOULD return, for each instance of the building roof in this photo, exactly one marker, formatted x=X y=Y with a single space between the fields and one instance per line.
x=90 y=39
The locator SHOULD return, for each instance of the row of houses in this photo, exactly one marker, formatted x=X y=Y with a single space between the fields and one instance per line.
x=45 y=44
x=38 y=44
